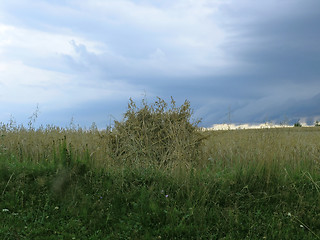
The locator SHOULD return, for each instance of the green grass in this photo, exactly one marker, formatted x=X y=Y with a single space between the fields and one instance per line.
x=88 y=184
x=127 y=203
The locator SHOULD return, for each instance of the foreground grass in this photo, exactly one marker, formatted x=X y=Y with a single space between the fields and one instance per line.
x=250 y=184
x=148 y=204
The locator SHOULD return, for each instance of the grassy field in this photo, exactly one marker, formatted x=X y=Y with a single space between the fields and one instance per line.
x=159 y=179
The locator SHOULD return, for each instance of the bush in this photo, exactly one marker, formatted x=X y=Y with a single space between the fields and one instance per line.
x=157 y=133
x=297 y=124
x=317 y=124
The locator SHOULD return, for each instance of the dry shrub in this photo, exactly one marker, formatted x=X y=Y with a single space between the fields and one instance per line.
x=157 y=133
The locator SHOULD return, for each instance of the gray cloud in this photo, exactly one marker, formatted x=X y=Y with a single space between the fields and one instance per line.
x=282 y=41
x=257 y=61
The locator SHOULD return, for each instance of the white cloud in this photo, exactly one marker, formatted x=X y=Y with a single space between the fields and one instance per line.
x=40 y=43
x=65 y=53
x=21 y=83
x=32 y=71
x=184 y=30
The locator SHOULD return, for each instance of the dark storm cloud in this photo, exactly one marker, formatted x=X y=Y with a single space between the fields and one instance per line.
x=305 y=110
x=244 y=61
x=277 y=46
x=278 y=41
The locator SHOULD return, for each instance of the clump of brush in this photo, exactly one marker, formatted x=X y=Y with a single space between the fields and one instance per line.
x=158 y=134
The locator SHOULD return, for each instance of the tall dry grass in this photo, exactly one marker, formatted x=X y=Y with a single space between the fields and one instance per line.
x=163 y=135
x=265 y=152
x=158 y=134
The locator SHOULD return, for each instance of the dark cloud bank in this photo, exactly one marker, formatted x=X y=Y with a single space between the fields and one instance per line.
x=276 y=78
x=280 y=80
x=275 y=75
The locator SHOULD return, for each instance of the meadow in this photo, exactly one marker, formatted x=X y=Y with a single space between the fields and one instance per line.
x=156 y=175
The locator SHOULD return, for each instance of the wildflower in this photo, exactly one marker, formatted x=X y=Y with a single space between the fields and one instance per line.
x=56 y=208
x=5 y=210
x=289 y=214
x=167 y=195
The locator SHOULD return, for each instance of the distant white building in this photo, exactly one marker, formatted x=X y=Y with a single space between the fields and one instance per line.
x=245 y=126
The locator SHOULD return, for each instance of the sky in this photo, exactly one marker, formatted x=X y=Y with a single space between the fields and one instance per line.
x=239 y=61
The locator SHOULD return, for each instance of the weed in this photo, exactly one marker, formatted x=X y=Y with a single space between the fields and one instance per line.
x=158 y=134
x=297 y=124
